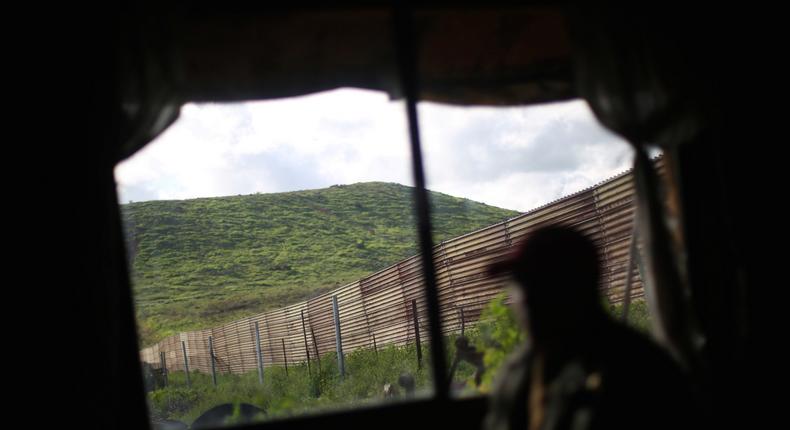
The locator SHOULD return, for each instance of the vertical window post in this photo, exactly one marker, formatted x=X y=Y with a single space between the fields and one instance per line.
x=405 y=45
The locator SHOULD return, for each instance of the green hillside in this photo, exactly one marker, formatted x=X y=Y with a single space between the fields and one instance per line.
x=196 y=263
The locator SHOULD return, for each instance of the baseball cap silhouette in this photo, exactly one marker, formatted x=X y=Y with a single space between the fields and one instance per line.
x=554 y=263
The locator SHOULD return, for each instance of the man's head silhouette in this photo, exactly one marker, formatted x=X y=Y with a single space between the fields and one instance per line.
x=557 y=270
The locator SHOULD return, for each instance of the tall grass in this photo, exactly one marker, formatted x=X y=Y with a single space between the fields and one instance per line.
x=301 y=391
x=296 y=392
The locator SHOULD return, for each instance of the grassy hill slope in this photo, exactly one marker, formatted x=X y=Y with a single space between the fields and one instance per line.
x=200 y=262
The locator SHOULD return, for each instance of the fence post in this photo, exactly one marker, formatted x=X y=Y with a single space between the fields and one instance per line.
x=285 y=357
x=213 y=366
x=338 y=339
x=186 y=362
x=417 y=332
x=463 y=320
x=365 y=312
x=258 y=353
x=629 y=273
x=163 y=362
x=641 y=270
x=508 y=239
x=315 y=346
x=306 y=349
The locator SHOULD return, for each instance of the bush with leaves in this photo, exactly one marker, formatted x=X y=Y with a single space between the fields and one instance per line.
x=497 y=334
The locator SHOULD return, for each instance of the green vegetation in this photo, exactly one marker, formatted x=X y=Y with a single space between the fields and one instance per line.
x=298 y=391
x=638 y=315
x=497 y=334
x=202 y=262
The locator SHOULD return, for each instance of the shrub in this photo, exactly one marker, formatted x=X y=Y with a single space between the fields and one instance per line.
x=498 y=333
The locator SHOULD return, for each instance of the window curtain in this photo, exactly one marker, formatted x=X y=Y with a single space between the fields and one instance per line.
x=635 y=71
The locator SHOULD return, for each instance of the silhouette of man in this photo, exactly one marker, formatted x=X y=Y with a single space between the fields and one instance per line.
x=580 y=369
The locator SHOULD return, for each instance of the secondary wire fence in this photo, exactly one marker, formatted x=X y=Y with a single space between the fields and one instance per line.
x=377 y=310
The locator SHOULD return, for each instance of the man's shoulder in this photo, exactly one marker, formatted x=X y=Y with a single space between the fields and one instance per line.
x=627 y=341
x=630 y=353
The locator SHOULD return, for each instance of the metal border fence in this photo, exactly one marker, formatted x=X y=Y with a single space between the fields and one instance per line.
x=377 y=310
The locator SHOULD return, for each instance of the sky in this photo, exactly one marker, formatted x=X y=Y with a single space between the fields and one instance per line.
x=515 y=158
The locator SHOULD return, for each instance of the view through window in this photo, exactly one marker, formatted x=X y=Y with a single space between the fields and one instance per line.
x=273 y=249
x=537 y=166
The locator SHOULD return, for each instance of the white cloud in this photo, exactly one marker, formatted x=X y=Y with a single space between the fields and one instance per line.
x=517 y=158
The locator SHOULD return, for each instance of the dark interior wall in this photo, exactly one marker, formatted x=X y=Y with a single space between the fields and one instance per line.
x=727 y=223
x=97 y=382
x=723 y=179
x=90 y=305
x=81 y=268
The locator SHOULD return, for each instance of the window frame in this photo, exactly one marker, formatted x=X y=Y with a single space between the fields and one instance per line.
x=457 y=412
